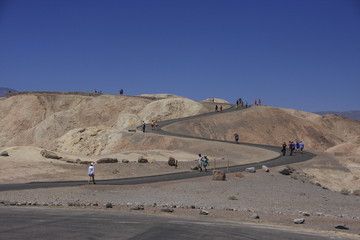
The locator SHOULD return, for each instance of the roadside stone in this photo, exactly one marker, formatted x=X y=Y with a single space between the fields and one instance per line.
x=141 y=159
x=4 y=154
x=203 y=212
x=265 y=168
x=284 y=171
x=168 y=210
x=299 y=220
x=250 y=170
x=306 y=214
x=137 y=208
x=125 y=161
x=255 y=216
x=219 y=175
x=341 y=226
x=109 y=205
x=48 y=154
x=107 y=160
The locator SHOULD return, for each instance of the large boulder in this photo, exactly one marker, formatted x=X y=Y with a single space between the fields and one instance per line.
x=107 y=160
x=48 y=154
x=219 y=175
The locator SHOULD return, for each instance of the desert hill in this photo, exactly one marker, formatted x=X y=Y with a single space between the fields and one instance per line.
x=349 y=114
x=79 y=125
x=273 y=126
x=5 y=91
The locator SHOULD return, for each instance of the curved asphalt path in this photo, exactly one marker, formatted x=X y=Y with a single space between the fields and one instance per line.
x=281 y=160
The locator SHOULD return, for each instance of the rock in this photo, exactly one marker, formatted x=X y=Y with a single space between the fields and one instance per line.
x=250 y=170
x=173 y=162
x=125 y=161
x=167 y=210
x=341 y=226
x=107 y=160
x=4 y=154
x=265 y=168
x=219 y=175
x=109 y=205
x=48 y=154
x=203 y=212
x=194 y=168
x=284 y=171
x=299 y=220
x=141 y=159
x=255 y=216
x=306 y=214
x=137 y=208
x=85 y=162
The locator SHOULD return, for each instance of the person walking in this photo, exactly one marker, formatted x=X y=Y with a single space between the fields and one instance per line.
x=283 y=150
x=200 y=162
x=91 y=173
x=216 y=108
x=301 y=146
x=236 y=136
x=205 y=162
x=143 y=126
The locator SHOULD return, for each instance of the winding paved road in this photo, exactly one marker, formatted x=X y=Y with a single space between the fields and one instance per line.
x=278 y=161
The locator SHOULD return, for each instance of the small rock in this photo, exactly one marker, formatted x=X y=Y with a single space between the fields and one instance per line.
x=141 y=159
x=341 y=226
x=4 y=154
x=203 y=212
x=168 y=210
x=284 y=171
x=194 y=168
x=306 y=214
x=109 y=205
x=48 y=154
x=125 y=161
x=137 y=208
x=250 y=170
x=255 y=216
x=299 y=220
x=265 y=168
x=107 y=160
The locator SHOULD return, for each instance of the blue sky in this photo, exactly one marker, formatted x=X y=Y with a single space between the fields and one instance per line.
x=301 y=54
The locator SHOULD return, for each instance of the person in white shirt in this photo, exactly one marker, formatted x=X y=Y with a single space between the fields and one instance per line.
x=91 y=173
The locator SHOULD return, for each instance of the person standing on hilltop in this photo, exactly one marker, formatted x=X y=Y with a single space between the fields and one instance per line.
x=91 y=173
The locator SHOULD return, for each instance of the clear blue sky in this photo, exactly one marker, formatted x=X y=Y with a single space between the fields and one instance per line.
x=299 y=54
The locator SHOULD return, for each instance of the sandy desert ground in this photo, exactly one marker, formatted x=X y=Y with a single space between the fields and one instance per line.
x=323 y=190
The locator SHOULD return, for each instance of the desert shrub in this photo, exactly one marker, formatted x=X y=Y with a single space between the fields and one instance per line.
x=345 y=191
x=356 y=192
x=232 y=197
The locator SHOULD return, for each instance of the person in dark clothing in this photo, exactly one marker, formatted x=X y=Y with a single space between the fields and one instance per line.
x=143 y=126
x=236 y=136
x=283 y=150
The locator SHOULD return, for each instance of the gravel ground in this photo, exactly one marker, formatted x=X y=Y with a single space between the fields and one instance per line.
x=275 y=198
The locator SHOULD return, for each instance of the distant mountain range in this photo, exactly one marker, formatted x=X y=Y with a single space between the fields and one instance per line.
x=4 y=91
x=349 y=114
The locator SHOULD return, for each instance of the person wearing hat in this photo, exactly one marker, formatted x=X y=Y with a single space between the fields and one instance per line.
x=91 y=173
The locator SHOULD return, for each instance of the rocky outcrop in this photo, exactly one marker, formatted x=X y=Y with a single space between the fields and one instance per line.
x=284 y=171
x=4 y=154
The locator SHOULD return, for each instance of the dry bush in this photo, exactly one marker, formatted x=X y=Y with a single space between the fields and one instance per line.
x=356 y=192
